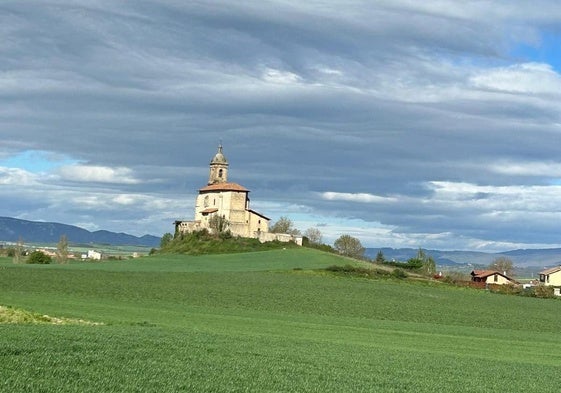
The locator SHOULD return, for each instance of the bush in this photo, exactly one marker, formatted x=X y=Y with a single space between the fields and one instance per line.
x=506 y=289
x=456 y=278
x=356 y=271
x=544 y=292
x=321 y=247
x=39 y=257
x=399 y=273
x=203 y=242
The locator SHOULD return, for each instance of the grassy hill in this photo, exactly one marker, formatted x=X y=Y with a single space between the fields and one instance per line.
x=251 y=322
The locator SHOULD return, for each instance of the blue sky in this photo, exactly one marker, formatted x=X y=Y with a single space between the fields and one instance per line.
x=546 y=50
x=35 y=161
x=431 y=124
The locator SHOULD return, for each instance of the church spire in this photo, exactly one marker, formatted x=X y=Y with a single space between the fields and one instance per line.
x=218 y=168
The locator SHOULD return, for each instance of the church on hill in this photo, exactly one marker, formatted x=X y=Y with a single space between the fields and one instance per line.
x=231 y=202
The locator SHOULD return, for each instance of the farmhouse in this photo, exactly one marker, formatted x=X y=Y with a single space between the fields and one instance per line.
x=229 y=201
x=551 y=276
x=491 y=277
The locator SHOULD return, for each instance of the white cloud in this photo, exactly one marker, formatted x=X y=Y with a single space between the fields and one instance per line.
x=536 y=169
x=99 y=174
x=125 y=199
x=280 y=77
x=355 y=197
x=499 y=201
x=16 y=176
x=527 y=78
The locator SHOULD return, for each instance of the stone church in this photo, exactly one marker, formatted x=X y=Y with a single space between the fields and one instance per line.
x=228 y=200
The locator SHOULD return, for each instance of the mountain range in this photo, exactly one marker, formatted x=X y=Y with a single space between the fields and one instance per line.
x=13 y=229
x=540 y=258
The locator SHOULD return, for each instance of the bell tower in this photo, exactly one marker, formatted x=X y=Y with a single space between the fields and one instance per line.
x=218 y=168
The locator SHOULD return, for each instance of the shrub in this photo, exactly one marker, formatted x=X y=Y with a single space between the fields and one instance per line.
x=456 y=278
x=506 y=289
x=321 y=247
x=203 y=242
x=543 y=291
x=356 y=271
x=399 y=273
x=39 y=257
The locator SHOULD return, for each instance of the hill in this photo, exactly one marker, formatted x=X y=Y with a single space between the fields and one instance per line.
x=265 y=322
x=521 y=258
x=13 y=229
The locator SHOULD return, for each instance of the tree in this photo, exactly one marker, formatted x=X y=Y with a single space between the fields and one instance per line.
x=62 y=250
x=503 y=265
x=284 y=225
x=168 y=237
x=18 y=252
x=39 y=257
x=380 y=257
x=429 y=266
x=218 y=224
x=314 y=235
x=424 y=262
x=349 y=246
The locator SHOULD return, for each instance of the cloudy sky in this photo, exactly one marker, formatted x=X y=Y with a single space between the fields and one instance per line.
x=433 y=124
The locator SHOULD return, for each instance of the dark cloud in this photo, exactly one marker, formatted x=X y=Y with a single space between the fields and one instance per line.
x=417 y=118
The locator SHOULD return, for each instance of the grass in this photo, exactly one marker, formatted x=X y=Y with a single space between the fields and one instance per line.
x=250 y=322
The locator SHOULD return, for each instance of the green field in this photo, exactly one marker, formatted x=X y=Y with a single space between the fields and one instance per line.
x=268 y=322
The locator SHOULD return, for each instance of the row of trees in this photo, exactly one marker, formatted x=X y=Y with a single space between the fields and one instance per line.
x=345 y=245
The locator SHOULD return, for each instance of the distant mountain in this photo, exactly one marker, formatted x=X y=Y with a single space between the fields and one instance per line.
x=522 y=258
x=12 y=229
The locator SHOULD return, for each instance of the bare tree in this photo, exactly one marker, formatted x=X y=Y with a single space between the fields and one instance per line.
x=219 y=224
x=502 y=264
x=18 y=254
x=349 y=246
x=284 y=225
x=314 y=235
x=62 y=250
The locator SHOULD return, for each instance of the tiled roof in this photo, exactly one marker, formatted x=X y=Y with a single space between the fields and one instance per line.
x=209 y=210
x=551 y=270
x=483 y=273
x=259 y=214
x=224 y=187
x=487 y=273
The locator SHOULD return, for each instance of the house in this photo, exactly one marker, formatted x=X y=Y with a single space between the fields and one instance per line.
x=491 y=277
x=92 y=254
x=229 y=201
x=551 y=276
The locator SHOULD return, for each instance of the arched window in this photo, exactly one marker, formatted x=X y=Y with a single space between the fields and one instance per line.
x=220 y=173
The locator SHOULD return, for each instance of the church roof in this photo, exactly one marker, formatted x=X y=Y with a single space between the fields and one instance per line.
x=224 y=187
x=259 y=214
x=219 y=157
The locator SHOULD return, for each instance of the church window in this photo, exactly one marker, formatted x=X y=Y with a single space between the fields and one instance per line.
x=220 y=173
